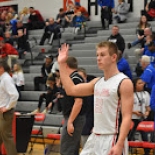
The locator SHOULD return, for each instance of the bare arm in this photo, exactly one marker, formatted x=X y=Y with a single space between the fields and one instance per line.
x=126 y=91
x=74 y=113
x=84 y=89
x=147 y=7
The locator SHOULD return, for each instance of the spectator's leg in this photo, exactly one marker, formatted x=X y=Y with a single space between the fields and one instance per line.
x=49 y=97
x=105 y=15
x=132 y=132
x=20 y=52
x=134 y=43
x=44 y=37
x=19 y=89
x=42 y=96
x=51 y=38
x=145 y=138
x=36 y=83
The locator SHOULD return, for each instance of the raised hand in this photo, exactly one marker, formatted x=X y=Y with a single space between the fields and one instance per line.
x=63 y=53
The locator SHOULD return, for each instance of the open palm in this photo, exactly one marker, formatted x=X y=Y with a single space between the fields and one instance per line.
x=63 y=53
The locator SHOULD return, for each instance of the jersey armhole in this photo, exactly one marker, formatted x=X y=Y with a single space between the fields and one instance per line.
x=118 y=89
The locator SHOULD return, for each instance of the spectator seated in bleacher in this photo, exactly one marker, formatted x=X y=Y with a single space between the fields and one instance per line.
x=45 y=71
x=50 y=96
x=143 y=23
x=51 y=31
x=18 y=78
x=149 y=48
x=21 y=43
x=149 y=11
x=121 y=11
x=141 y=38
x=62 y=18
x=148 y=75
x=24 y=16
x=79 y=22
x=36 y=20
x=8 y=38
x=117 y=38
x=21 y=26
x=141 y=109
x=7 y=52
x=13 y=12
x=79 y=8
x=123 y=65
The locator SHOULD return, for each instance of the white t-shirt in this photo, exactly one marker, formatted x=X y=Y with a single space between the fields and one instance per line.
x=18 y=78
x=144 y=98
x=107 y=105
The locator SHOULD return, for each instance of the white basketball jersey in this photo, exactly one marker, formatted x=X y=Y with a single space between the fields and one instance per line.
x=107 y=105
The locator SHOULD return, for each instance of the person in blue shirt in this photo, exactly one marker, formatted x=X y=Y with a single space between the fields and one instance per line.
x=107 y=7
x=152 y=100
x=148 y=75
x=151 y=52
x=152 y=105
x=79 y=22
x=123 y=65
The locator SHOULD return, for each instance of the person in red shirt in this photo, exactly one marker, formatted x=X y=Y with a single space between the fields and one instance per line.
x=8 y=52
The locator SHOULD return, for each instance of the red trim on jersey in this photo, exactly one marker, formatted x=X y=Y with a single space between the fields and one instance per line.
x=117 y=116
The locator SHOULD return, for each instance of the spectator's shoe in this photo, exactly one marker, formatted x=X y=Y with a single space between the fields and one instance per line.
x=129 y=45
x=35 y=111
x=44 y=111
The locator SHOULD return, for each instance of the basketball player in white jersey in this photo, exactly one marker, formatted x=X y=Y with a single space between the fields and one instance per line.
x=113 y=95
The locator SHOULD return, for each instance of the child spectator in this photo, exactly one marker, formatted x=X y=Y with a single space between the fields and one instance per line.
x=79 y=22
x=49 y=96
x=18 y=78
